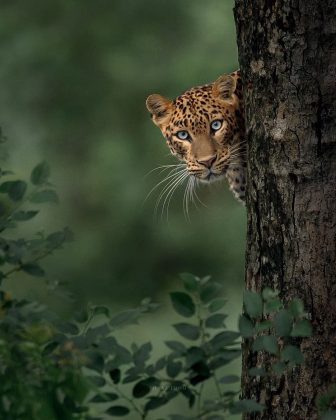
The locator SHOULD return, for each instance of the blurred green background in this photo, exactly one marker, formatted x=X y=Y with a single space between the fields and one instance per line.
x=74 y=77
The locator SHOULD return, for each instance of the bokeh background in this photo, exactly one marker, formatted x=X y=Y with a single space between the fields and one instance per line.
x=74 y=77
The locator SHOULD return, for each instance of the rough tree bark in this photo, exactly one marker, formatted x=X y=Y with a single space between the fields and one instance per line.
x=287 y=54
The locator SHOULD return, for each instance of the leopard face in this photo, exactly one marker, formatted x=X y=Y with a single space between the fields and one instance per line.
x=204 y=128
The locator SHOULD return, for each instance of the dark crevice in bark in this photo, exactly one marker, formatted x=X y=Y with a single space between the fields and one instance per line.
x=318 y=125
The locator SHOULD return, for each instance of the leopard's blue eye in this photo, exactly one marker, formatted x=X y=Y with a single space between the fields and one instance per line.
x=183 y=135
x=216 y=125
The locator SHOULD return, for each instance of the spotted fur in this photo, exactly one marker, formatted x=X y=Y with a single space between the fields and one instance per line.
x=209 y=155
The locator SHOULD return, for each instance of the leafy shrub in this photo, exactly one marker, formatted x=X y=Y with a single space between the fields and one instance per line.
x=274 y=329
x=51 y=369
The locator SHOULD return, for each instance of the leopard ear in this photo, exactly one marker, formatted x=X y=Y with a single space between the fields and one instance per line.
x=159 y=107
x=224 y=87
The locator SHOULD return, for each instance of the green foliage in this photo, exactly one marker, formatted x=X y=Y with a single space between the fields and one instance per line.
x=252 y=304
x=183 y=303
x=35 y=383
x=274 y=330
x=37 y=380
x=183 y=370
x=40 y=174
x=78 y=369
x=326 y=404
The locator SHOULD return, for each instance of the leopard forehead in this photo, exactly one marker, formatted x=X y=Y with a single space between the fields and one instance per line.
x=194 y=109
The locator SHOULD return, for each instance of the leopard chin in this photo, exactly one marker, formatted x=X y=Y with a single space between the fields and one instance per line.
x=212 y=177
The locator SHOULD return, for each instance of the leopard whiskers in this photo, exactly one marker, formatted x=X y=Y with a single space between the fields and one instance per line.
x=193 y=192
x=173 y=173
x=169 y=189
x=239 y=147
x=170 y=195
x=195 y=195
x=237 y=156
x=191 y=196
x=164 y=168
x=186 y=199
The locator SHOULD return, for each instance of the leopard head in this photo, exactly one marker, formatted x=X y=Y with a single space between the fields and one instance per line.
x=203 y=126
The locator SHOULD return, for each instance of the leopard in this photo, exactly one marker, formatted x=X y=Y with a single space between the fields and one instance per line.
x=204 y=128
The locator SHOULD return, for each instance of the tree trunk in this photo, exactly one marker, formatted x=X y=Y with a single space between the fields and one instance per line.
x=287 y=54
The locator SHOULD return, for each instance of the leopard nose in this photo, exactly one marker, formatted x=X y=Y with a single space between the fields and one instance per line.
x=208 y=161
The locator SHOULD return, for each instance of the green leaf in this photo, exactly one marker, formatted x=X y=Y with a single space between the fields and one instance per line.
x=257 y=371
x=176 y=346
x=245 y=326
x=142 y=353
x=160 y=364
x=22 y=216
x=122 y=356
x=104 y=397
x=246 y=406
x=118 y=411
x=144 y=386
x=101 y=310
x=15 y=189
x=194 y=355
x=283 y=323
x=269 y=294
x=229 y=379
x=204 y=280
x=223 y=339
x=258 y=344
x=33 y=269
x=173 y=368
x=296 y=307
x=50 y=347
x=189 y=331
x=182 y=303
x=189 y=281
x=81 y=316
x=225 y=358
x=97 y=380
x=56 y=238
x=115 y=375
x=273 y=305
x=267 y=343
x=130 y=316
x=209 y=291
x=263 y=325
x=278 y=368
x=200 y=372
x=270 y=344
x=189 y=394
x=252 y=303
x=96 y=360
x=216 y=305
x=292 y=354
x=302 y=328
x=40 y=174
x=155 y=402
x=215 y=321
x=44 y=196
